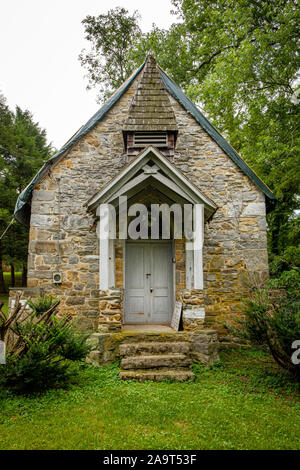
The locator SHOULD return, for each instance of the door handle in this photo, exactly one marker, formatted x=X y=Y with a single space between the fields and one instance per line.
x=151 y=290
x=147 y=275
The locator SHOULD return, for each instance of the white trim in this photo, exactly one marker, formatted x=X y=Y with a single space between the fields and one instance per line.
x=189 y=268
x=111 y=263
x=128 y=172
x=198 y=245
x=127 y=186
x=170 y=184
x=104 y=247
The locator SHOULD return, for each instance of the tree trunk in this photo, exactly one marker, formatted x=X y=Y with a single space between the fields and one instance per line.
x=12 y=275
x=24 y=276
x=2 y=283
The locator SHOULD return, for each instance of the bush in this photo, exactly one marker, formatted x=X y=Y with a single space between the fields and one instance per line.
x=41 y=349
x=272 y=318
x=42 y=304
x=288 y=260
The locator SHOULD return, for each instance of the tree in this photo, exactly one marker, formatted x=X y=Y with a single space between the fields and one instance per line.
x=272 y=319
x=239 y=60
x=23 y=150
x=111 y=36
x=40 y=347
x=242 y=64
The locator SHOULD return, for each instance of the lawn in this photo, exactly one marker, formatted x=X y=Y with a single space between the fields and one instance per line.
x=242 y=403
x=7 y=279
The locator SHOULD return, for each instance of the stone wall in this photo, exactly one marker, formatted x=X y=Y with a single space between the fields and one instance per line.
x=235 y=239
x=63 y=235
x=192 y=300
x=87 y=167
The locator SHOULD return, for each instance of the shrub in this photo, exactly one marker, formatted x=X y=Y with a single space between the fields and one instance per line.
x=41 y=348
x=272 y=318
x=42 y=304
x=288 y=260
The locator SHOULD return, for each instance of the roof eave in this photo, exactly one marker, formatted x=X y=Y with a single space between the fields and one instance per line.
x=25 y=196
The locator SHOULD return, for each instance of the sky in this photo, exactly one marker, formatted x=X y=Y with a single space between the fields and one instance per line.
x=40 y=41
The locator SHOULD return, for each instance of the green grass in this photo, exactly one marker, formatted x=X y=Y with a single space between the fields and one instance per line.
x=244 y=402
x=7 y=281
x=4 y=298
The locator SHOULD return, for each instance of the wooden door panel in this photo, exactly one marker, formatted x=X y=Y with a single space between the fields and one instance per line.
x=161 y=282
x=135 y=296
x=148 y=282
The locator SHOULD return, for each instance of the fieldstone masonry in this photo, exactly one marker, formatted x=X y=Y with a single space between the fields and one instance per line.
x=63 y=233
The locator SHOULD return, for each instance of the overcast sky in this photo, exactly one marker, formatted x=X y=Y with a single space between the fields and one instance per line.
x=40 y=41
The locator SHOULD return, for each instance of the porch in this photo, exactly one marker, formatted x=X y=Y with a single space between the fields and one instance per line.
x=149 y=262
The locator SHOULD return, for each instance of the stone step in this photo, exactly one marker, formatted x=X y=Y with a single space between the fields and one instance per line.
x=154 y=361
x=157 y=375
x=151 y=347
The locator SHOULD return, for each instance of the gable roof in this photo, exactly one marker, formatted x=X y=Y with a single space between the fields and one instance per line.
x=163 y=173
x=22 y=208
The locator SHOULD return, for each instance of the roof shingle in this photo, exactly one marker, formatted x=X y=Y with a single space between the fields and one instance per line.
x=150 y=108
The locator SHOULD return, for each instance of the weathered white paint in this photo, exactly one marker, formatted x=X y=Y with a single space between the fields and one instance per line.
x=111 y=270
x=189 y=260
x=176 y=316
x=198 y=245
x=151 y=153
x=148 y=282
x=193 y=314
x=104 y=248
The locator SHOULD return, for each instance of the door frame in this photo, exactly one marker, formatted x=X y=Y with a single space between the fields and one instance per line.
x=173 y=281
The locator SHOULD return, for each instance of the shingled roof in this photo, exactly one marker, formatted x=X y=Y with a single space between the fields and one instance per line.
x=22 y=208
x=150 y=109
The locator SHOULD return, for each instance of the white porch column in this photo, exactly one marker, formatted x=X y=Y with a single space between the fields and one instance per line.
x=104 y=247
x=105 y=231
x=198 y=245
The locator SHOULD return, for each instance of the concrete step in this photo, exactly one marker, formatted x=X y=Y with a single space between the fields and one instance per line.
x=154 y=347
x=157 y=375
x=154 y=361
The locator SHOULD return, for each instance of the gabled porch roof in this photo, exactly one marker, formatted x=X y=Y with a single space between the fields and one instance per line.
x=161 y=174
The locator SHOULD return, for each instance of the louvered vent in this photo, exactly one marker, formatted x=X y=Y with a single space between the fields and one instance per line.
x=142 y=139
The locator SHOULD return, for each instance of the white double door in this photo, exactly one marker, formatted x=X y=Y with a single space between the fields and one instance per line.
x=148 y=282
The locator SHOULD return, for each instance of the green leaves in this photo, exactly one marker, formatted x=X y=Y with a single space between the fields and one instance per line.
x=41 y=349
x=111 y=37
x=239 y=60
x=272 y=318
x=23 y=150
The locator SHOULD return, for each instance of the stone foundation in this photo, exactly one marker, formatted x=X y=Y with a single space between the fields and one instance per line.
x=203 y=344
x=111 y=310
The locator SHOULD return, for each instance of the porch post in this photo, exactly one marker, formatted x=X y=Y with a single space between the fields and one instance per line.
x=198 y=245
x=104 y=248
